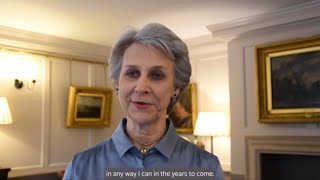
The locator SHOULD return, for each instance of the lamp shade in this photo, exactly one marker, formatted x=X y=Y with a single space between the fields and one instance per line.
x=5 y=115
x=211 y=124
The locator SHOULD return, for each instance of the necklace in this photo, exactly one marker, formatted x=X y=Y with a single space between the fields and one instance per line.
x=145 y=145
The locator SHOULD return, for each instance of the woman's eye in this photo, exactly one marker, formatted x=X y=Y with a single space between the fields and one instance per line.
x=157 y=76
x=132 y=73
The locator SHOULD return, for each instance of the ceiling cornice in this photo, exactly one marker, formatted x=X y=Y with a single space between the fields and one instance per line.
x=52 y=45
x=206 y=48
x=231 y=29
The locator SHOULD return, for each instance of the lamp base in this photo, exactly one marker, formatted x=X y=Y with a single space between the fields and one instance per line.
x=212 y=144
x=200 y=145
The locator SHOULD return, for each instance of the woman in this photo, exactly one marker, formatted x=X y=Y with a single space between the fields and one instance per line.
x=150 y=68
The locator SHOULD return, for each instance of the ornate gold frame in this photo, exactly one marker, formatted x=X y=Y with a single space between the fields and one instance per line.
x=192 y=103
x=276 y=52
x=89 y=107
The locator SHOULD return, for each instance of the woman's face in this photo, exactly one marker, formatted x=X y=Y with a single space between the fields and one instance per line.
x=146 y=84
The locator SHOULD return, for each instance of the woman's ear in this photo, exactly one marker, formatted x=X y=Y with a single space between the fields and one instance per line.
x=176 y=91
x=115 y=85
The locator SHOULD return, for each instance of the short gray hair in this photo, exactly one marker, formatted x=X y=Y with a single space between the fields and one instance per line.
x=161 y=38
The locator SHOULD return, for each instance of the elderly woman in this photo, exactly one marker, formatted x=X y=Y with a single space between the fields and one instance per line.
x=150 y=68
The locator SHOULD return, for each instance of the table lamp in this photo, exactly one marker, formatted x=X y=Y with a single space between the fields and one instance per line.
x=211 y=124
x=5 y=118
x=5 y=115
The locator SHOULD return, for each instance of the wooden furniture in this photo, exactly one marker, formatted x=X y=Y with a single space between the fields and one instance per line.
x=4 y=173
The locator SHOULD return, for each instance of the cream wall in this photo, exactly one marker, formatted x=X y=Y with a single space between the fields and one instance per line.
x=213 y=95
x=38 y=140
x=299 y=22
x=210 y=72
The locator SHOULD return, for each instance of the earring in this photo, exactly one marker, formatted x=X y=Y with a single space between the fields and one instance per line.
x=117 y=89
x=174 y=98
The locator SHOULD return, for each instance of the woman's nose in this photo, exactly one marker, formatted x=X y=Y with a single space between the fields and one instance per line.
x=142 y=86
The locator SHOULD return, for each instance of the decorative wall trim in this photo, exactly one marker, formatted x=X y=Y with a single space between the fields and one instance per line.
x=45 y=117
x=62 y=164
x=256 y=145
x=226 y=166
x=231 y=29
x=12 y=38
x=205 y=48
x=33 y=170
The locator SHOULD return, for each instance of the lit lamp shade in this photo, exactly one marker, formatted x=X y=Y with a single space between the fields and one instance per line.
x=5 y=115
x=211 y=124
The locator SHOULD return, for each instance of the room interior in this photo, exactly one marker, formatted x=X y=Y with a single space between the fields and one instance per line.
x=224 y=70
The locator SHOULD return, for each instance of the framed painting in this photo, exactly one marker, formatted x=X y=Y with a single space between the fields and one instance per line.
x=184 y=113
x=89 y=107
x=289 y=81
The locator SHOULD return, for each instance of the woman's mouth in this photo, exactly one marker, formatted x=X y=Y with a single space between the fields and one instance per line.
x=141 y=105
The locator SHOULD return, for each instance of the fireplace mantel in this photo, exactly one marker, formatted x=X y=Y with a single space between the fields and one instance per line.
x=255 y=145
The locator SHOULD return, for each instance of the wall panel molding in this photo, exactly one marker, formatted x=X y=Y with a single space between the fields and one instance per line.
x=207 y=48
x=232 y=29
x=12 y=38
x=33 y=170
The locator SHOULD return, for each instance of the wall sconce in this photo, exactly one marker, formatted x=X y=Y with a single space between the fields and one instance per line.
x=5 y=114
x=19 y=84
x=27 y=71
x=211 y=124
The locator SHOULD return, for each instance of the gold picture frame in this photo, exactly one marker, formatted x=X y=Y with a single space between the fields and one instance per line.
x=184 y=113
x=288 y=81
x=89 y=107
